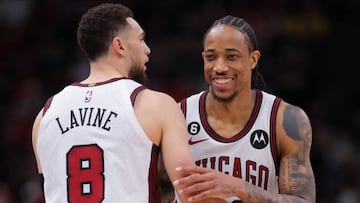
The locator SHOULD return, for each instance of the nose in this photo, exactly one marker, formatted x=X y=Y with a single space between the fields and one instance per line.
x=220 y=66
x=147 y=50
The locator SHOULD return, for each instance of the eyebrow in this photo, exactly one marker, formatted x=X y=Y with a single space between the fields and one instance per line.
x=226 y=49
x=232 y=49
x=141 y=34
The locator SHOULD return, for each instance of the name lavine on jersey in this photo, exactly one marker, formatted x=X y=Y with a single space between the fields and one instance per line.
x=254 y=173
x=87 y=116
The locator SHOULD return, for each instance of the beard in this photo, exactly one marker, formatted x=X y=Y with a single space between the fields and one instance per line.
x=138 y=75
x=223 y=99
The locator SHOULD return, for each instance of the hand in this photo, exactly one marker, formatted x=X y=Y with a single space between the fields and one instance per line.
x=199 y=183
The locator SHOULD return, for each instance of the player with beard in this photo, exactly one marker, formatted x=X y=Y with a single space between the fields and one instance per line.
x=252 y=145
x=98 y=140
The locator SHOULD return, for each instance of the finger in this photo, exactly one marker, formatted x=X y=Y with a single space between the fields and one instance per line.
x=187 y=180
x=198 y=192
x=194 y=184
x=194 y=178
x=183 y=172
x=189 y=191
x=191 y=169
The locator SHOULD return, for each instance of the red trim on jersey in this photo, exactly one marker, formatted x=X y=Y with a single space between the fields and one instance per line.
x=243 y=132
x=154 y=190
x=47 y=105
x=135 y=93
x=183 y=106
x=98 y=83
x=274 y=111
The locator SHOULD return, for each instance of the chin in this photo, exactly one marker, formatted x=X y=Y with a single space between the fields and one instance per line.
x=223 y=97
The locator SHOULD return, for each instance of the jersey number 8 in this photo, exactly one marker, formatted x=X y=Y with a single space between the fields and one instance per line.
x=85 y=170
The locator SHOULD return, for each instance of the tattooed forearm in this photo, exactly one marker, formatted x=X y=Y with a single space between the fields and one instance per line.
x=297 y=178
x=296 y=185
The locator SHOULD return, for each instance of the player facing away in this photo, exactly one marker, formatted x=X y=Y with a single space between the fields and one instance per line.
x=98 y=140
x=251 y=145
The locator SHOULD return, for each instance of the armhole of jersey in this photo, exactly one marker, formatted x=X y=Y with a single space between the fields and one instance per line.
x=135 y=93
x=183 y=106
x=274 y=111
x=41 y=178
x=47 y=105
x=153 y=178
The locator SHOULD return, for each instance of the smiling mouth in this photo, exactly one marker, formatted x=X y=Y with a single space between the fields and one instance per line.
x=222 y=81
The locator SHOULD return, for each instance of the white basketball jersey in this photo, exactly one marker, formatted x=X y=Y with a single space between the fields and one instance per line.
x=249 y=155
x=92 y=148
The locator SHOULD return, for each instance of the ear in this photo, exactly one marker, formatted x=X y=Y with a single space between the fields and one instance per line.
x=118 y=46
x=254 y=58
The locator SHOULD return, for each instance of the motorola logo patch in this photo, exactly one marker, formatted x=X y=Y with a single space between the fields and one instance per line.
x=193 y=128
x=259 y=139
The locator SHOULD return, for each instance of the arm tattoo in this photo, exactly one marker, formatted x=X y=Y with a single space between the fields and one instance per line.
x=297 y=126
x=295 y=171
x=295 y=123
x=297 y=175
x=296 y=178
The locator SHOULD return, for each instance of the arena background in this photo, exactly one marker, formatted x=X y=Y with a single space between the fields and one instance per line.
x=309 y=58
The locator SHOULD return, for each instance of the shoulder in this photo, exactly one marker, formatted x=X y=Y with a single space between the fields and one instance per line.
x=157 y=112
x=293 y=119
x=152 y=97
x=293 y=126
x=153 y=102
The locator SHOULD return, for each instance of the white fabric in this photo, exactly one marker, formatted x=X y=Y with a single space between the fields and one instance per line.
x=234 y=157
x=117 y=142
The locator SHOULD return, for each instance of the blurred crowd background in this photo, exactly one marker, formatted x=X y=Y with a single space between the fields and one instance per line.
x=309 y=58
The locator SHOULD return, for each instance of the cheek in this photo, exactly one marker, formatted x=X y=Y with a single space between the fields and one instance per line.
x=208 y=65
x=207 y=72
x=207 y=68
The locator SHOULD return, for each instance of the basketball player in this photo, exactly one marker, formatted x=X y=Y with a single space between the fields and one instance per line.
x=98 y=140
x=251 y=145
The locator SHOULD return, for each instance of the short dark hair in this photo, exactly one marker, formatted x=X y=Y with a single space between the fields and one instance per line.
x=99 y=25
x=244 y=27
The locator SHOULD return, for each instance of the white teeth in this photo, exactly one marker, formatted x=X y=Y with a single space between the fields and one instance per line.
x=222 y=81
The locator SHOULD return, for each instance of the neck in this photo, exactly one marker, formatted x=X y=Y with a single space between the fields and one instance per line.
x=103 y=70
x=241 y=105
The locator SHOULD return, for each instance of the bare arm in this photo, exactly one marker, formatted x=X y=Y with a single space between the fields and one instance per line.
x=296 y=176
x=173 y=143
x=296 y=179
x=34 y=139
x=165 y=125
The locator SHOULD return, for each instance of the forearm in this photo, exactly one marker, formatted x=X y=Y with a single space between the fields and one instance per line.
x=206 y=183
x=296 y=184
x=251 y=194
